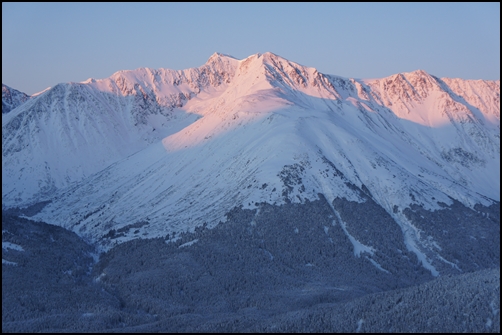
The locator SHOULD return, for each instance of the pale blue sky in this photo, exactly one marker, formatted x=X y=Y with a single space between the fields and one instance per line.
x=47 y=43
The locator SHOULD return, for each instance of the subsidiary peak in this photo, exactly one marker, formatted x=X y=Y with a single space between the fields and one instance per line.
x=11 y=98
x=219 y=60
x=217 y=55
x=419 y=73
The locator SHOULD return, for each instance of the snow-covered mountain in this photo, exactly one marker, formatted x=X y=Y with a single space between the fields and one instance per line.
x=12 y=98
x=147 y=153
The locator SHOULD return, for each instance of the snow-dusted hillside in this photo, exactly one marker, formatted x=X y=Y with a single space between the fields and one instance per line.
x=165 y=151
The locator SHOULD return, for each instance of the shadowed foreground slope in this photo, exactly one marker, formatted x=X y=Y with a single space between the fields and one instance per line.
x=282 y=268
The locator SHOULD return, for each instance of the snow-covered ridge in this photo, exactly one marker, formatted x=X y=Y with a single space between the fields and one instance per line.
x=12 y=98
x=153 y=145
x=76 y=129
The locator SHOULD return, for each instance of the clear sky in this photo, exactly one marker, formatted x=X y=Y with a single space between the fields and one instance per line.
x=47 y=43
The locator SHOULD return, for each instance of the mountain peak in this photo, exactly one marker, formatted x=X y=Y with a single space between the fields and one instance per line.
x=418 y=72
x=11 y=98
x=270 y=56
x=219 y=55
x=265 y=57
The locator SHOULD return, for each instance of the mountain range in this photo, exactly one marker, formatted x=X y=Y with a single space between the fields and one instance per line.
x=395 y=181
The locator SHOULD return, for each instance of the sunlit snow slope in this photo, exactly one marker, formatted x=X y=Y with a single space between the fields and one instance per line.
x=177 y=149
